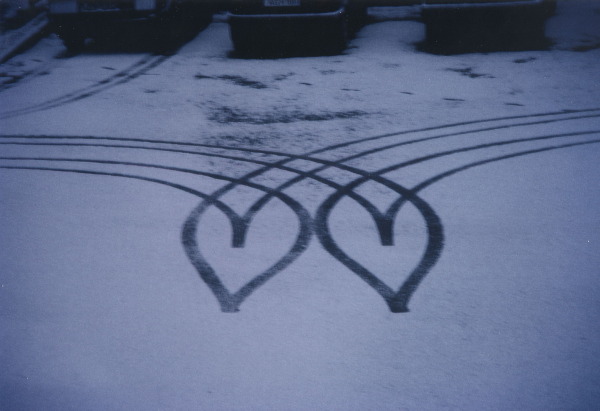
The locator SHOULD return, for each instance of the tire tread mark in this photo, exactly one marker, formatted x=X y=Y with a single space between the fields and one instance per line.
x=383 y=220
x=228 y=301
x=26 y=76
x=398 y=301
x=124 y=76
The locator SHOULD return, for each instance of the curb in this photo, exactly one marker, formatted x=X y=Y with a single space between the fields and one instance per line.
x=16 y=41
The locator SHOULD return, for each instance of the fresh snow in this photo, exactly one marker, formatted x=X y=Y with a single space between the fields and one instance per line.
x=101 y=307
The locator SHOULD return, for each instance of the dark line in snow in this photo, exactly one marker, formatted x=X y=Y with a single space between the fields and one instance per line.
x=397 y=300
x=382 y=221
x=124 y=76
x=228 y=301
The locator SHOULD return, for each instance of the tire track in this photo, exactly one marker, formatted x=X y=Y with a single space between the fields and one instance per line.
x=228 y=301
x=382 y=220
x=15 y=80
x=126 y=75
x=397 y=300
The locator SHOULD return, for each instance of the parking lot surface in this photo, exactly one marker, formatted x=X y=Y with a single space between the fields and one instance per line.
x=385 y=228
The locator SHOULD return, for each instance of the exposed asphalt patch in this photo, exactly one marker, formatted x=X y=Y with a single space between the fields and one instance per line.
x=237 y=80
x=235 y=141
x=225 y=115
x=7 y=78
x=281 y=77
x=468 y=72
x=525 y=60
x=16 y=74
x=587 y=47
x=242 y=81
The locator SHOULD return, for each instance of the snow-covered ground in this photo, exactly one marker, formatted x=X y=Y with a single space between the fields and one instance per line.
x=463 y=188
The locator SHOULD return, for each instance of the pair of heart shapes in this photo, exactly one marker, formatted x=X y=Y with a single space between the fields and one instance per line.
x=396 y=300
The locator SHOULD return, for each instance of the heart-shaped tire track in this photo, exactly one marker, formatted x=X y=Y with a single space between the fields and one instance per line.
x=229 y=301
x=397 y=301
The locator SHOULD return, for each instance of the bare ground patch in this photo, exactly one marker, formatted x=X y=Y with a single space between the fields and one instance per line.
x=468 y=72
x=225 y=115
x=587 y=47
x=234 y=79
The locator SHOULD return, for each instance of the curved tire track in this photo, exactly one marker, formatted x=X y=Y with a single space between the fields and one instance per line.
x=228 y=301
x=382 y=220
x=397 y=300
